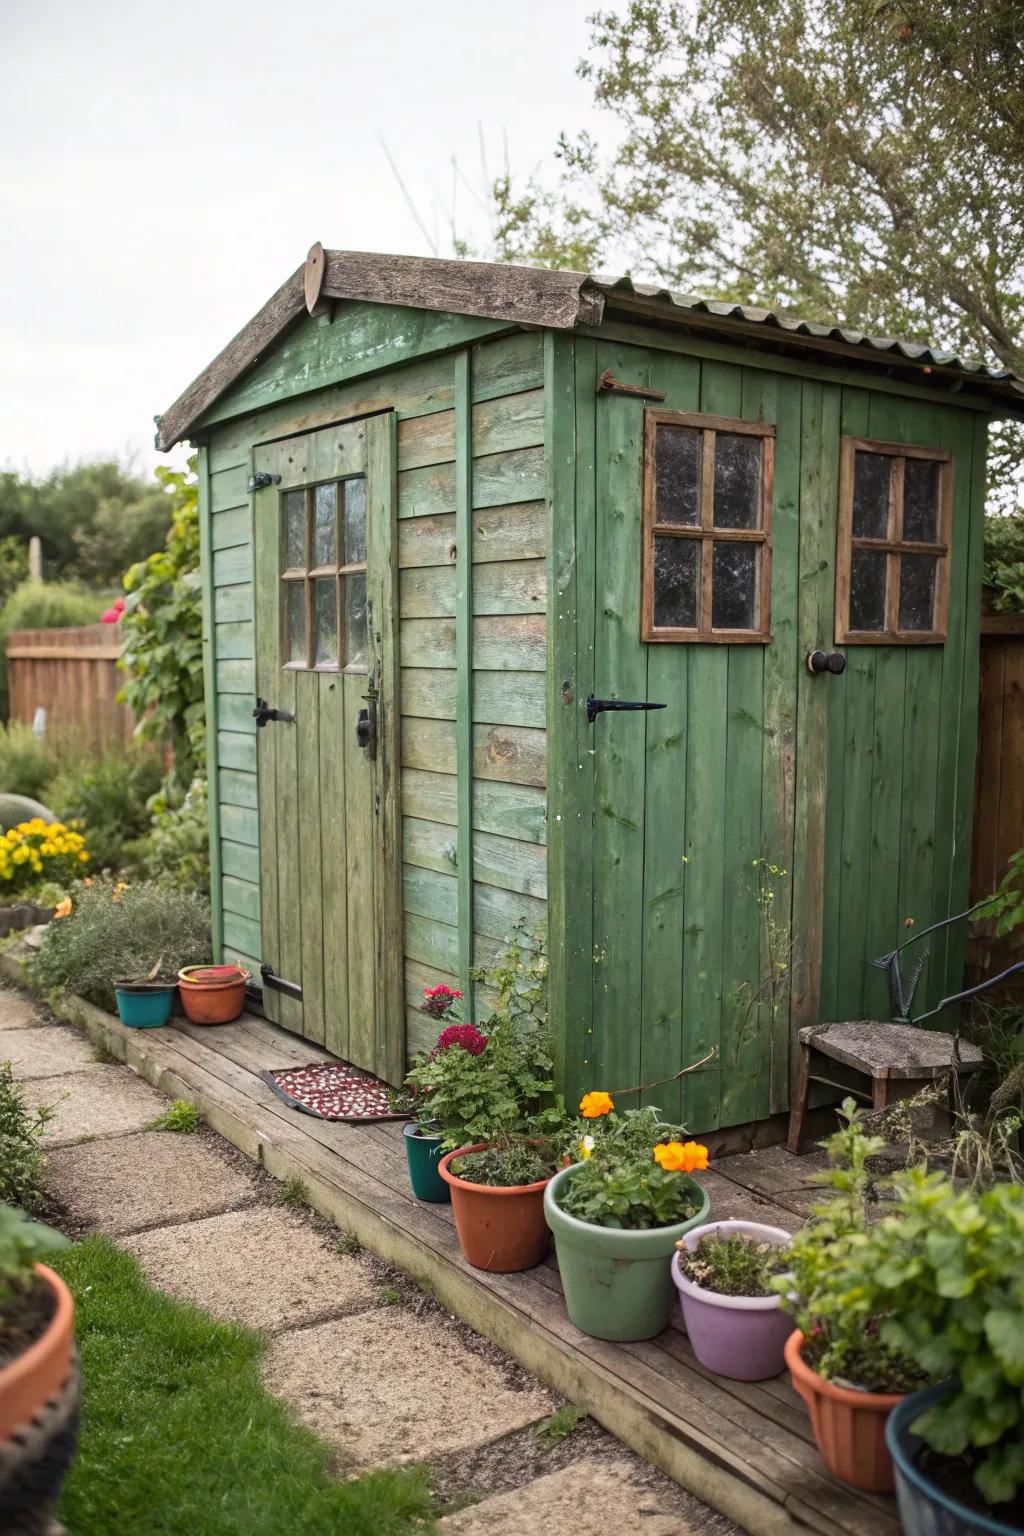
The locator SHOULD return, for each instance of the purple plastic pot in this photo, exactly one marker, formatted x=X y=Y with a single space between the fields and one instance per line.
x=741 y=1337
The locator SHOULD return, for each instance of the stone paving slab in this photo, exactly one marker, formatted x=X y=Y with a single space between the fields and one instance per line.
x=588 y=1498
x=378 y=1386
x=48 y=1051
x=301 y=1277
x=18 y=1010
x=106 y=1101
x=125 y=1183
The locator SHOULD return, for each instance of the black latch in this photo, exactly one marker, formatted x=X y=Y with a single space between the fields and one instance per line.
x=258 y=482
x=263 y=713
x=596 y=707
x=278 y=984
x=826 y=661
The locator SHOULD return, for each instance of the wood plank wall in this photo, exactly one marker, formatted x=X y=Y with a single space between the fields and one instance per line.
x=73 y=674
x=508 y=651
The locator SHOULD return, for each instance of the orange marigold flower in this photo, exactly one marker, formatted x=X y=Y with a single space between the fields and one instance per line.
x=63 y=908
x=594 y=1105
x=681 y=1156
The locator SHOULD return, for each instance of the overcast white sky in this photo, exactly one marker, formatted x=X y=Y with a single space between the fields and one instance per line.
x=164 y=167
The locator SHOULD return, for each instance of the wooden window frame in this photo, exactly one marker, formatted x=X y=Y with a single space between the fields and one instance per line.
x=705 y=531
x=308 y=574
x=894 y=546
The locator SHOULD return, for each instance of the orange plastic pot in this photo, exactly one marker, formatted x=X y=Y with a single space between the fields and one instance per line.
x=32 y=1378
x=212 y=994
x=500 y=1229
x=849 y=1426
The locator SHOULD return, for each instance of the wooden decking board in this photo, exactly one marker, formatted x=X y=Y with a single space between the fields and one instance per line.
x=743 y=1447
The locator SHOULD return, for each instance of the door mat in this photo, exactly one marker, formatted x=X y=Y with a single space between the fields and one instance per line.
x=333 y=1090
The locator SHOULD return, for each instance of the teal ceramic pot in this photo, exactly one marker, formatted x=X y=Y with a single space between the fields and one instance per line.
x=618 y=1285
x=924 y=1509
x=144 y=1005
x=423 y=1153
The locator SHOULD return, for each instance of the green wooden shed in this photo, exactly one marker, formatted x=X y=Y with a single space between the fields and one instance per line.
x=448 y=510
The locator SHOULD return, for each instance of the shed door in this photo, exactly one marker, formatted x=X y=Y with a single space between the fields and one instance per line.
x=847 y=783
x=326 y=662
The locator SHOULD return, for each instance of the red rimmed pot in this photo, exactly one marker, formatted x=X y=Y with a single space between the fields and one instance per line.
x=39 y=1397
x=500 y=1228
x=849 y=1426
x=212 y=994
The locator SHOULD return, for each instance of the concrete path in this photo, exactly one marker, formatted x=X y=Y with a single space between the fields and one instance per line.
x=352 y=1341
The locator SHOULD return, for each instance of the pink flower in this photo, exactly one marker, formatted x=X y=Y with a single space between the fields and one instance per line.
x=438 y=1001
x=465 y=1035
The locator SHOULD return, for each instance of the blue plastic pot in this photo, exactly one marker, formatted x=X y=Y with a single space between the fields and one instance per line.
x=144 y=1006
x=924 y=1509
x=423 y=1154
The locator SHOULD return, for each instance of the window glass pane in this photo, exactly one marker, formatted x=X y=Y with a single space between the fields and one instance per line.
x=325 y=622
x=295 y=525
x=355 y=521
x=677 y=468
x=324 y=531
x=737 y=480
x=295 y=610
x=734 y=585
x=867 y=589
x=917 y=591
x=871 y=495
x=355 y=620
x=676 y=568
x=921 y=501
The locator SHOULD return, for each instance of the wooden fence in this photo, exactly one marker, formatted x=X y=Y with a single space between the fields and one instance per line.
x=999 y=784
x=73 y=675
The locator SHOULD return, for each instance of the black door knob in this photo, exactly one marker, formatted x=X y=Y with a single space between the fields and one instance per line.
x=826 y=661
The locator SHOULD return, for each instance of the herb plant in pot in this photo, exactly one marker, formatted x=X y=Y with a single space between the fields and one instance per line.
x=734 y=1319
x=842 y=1357
x=38 y=1375
x=617 y=1215
x=145 y=1002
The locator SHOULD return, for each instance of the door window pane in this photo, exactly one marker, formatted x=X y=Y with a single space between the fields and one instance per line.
x=678 y=453
x=295 y=607
x=355 y=620
x=917 y=591
x=295 y=525
x=871 y=473
x=867 y=589
x=737 y=480
x=355 y=521
x=325 y=622
x=734 y=585
x=676 y=567
x=921 y=501
x=324 y=525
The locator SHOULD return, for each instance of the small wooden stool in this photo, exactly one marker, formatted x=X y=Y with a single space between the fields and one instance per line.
x=897 y=1059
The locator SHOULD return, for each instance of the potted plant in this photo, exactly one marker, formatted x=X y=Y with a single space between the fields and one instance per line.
x=497 y=1192
x=38 y=1378
x=844 y=1361
x=617 y=1215
x=733 y=1316
x=424 y=1139
x=213 y=994
x=145 y=1002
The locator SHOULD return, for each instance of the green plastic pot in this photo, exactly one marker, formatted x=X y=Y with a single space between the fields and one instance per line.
x=618 y=1285
x=423 y=1153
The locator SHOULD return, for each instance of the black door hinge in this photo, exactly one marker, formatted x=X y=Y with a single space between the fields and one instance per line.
x=258 y=482
x=597 y=707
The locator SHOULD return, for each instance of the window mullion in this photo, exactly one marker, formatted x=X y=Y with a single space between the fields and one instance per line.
x=308 y=580
x=707 y=523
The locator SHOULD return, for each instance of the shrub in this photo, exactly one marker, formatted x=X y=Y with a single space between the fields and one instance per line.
x=177 y=850
x=27 y=765
x=21 y=1156
x=110 y=798
x=116 y=931
x=1003 y=569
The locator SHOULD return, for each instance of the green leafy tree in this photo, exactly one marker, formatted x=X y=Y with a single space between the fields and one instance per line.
x=93 y=520
x=856 y=159
x=163 y=636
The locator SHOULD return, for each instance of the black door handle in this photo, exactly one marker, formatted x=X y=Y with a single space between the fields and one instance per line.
x=278 y=984
x=366 y=726
x=826 y=661
x=263 y=713
x=596 y=707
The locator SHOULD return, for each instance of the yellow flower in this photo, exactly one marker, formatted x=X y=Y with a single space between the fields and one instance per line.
x=681 y=1156
x=586 y=1146
x=594 y=1105
x=83 y=857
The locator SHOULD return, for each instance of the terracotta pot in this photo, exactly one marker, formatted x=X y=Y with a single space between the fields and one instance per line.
x=500 y=1229
x=849 y=1426
x=212 y=994
x=32 y=1378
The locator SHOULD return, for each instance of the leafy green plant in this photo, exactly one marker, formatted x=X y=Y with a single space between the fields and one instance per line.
x=391 y=1296
x=349 y=1244
x=177 y=850
x=519 y=976
x=558 y=1426
x=1007 y=902
x=633 y=1195
x=182 y=1117
x=163 y=634
x=512 y=1162
x=292 y=1191
x=21 y=1156
x=499 y=1090
x=733 y=1266
x=23 y=1244
x=1003 y=568
x=110 y=798
x=27 y=765
x=116 y=931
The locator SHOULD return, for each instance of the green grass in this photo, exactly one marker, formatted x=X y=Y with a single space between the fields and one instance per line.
x=292 y=1191
x=559 y=1425
x=179 y=1435
x=182 y=1117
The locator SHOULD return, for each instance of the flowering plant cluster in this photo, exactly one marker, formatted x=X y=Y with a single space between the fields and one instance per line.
x=634 y=1168
x=439 y=1001
x=35 y=852
x=466 y=1036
